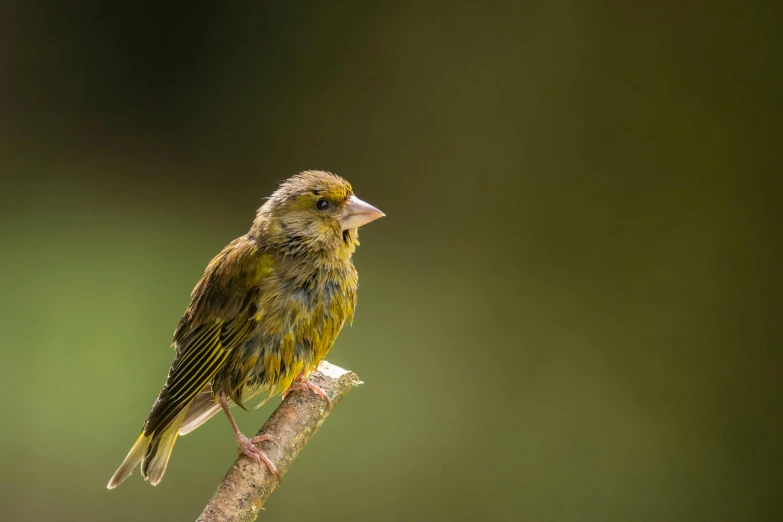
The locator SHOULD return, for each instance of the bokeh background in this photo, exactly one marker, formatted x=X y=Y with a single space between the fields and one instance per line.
x=571 y=313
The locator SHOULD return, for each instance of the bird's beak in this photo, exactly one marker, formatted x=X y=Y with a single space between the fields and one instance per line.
x=358 y=213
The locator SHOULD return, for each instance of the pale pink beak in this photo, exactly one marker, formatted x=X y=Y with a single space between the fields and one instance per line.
x=358 y=213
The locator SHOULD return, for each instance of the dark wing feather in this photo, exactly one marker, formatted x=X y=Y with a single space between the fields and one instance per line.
x=220 y=319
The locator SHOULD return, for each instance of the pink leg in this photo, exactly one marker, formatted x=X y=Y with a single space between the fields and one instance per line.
x=246 y=445
x=300 y=383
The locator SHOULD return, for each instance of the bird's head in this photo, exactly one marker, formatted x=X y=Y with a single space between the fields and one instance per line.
x=314 y=211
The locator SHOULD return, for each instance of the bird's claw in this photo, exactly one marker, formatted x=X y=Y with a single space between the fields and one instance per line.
x=247 y=446
x=306 y=385
x=262 y=438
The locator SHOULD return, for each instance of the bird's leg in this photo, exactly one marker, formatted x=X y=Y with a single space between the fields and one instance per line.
x=246 y=445
x=300 y=383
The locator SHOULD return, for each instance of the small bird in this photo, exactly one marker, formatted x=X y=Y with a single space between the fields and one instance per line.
x=263 y=316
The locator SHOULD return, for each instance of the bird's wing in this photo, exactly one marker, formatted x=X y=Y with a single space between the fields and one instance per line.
x=219 y=319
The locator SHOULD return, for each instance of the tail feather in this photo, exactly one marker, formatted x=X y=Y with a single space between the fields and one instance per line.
x=157 y=456
x=152 y=451
x=203 y=408
x=131 y=461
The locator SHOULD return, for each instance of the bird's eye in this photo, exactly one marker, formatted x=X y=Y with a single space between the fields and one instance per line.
x=322 y=204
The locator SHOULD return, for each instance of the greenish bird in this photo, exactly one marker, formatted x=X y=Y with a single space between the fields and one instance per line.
x=263 y=316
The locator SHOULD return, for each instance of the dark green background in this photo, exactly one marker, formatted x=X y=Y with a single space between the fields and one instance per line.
x=572 y=311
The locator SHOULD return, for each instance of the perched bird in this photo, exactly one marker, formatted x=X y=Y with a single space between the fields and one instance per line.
x=264 y=314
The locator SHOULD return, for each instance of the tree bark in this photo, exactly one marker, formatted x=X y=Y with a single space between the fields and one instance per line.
x=246 y=487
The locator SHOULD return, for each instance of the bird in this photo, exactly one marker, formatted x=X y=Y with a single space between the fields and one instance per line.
x=265 y=313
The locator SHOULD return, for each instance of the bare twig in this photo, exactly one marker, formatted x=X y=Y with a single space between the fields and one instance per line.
x=246 y=486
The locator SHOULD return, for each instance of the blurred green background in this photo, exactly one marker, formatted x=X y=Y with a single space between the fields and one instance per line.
x=571 y=313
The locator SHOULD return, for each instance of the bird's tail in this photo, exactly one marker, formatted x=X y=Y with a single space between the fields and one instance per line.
x=152 y=450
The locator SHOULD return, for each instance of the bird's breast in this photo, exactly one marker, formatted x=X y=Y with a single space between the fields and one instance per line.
x=299 y=319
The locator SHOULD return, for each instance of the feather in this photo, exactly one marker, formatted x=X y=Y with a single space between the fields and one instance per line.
x=131 y=461
x=203 y=408
x=155 y=460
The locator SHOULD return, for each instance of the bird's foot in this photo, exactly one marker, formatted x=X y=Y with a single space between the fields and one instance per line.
x=247 y=446
x=305 y=385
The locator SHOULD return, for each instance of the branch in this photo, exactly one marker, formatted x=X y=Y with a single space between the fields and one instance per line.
x=246 y=487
